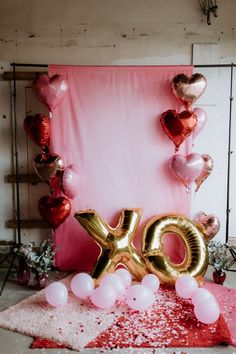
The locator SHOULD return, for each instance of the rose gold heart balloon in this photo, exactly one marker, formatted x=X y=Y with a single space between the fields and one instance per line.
x=50 y=90
x=207 y=169
x=188 y=89
x=178 y=126
x=47 y=165
x=186 y=169
x=209 y=225
x=54 y=210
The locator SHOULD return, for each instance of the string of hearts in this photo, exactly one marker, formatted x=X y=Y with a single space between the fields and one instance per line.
x=178 y=126
x=49 y=166
x=193 y=168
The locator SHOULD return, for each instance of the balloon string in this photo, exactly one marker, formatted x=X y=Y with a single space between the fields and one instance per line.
x=193 y=194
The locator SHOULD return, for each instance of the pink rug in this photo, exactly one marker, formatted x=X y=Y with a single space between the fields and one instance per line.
x=169 y=323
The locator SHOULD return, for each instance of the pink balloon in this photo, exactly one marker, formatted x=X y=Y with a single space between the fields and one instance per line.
x=50 y=91
x=114 y=280
x=82 y=285
x=185 y=286
x=139 y=297
x=152 y=282
x=70 y=180
x=104 y=297
x=186 y=169
x=201 y=295
x=125 y=276
x=56 y=294
x=207 y=312
x=201 y=121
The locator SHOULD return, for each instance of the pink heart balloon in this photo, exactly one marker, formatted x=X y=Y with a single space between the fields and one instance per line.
x=70 y=181
x=201 y=121
x=186 y=169
x=50 y=91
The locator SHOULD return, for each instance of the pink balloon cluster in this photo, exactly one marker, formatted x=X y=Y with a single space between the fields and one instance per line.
x=116 y=286
x=206 y=308
x=113 y=287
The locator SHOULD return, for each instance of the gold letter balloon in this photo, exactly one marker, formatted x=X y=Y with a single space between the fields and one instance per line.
x=115 y=243
x=117 y=246
x=196 y=255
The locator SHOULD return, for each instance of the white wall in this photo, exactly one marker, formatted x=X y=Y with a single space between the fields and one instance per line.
x=116 y=32
x=111 y=31
x=213 y=140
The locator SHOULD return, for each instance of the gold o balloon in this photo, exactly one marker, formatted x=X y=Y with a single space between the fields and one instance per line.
x=196 y=255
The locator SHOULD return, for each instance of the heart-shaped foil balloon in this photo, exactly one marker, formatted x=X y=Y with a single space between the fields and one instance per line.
x=209 y=225
x=54 y=210
x=50 y=91
x=47 y=166
x=38 y=129
x=201 y=121
x=70 y=181
x=188 y=89
x=207 y=169
x=186 y=169
x=178 y=126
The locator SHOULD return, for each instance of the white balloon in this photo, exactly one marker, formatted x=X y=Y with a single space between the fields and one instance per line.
x=185 y=286
x=114 y=281
x=104 y=297
x=125 y=276
x=151 y=281
x=201 y=295
x=82 y=285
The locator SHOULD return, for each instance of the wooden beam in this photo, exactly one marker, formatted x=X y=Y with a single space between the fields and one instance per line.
x=21 y=75
x=27 y=224
x=24 y=178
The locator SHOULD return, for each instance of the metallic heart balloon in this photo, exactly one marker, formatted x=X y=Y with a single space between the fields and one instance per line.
x=209 y=225
x=186 y=169
x=178 y=126
x=188 y=89
x=54 y=210
x=47 y=166
x=38 y=129
x=70 y=181
x=207 y=169
x=51 y=91
x=201 y=121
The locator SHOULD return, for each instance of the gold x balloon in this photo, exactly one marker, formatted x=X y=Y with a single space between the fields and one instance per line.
x=115 y=243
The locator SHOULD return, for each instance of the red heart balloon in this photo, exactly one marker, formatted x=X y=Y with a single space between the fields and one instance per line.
x=188 y=89
x=178 y=126
x=50 y=91
x=54 y=210
x=38 y=128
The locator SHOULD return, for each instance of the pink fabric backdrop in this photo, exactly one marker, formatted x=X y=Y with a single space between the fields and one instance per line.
x=109 y=126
